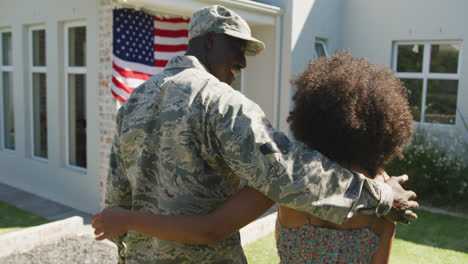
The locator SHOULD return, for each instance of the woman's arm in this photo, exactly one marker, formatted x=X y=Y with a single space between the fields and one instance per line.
x=387 y=234
x=238 y=211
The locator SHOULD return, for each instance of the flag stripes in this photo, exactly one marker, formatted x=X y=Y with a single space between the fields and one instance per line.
x=142 y=46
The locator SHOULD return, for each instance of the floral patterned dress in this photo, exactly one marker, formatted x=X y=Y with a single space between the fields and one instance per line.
x=310 y=244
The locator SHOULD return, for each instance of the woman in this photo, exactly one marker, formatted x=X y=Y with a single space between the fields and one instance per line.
x=353 y=112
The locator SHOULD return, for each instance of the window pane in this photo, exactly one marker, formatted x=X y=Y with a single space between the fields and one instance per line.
x=6 y=48
x=410 y=58
x=39 y=49
x=77 y=46
x=320 y=49
x=444 y=58
x=40 y=115
x=441 y=102
x=414 y=87
x=77 y=119
x=8 y=111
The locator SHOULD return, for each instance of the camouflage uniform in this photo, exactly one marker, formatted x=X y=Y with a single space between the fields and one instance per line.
x=185 y=142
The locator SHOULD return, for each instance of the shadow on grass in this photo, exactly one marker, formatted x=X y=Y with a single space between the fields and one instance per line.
x=436 y=230
x=12 y=217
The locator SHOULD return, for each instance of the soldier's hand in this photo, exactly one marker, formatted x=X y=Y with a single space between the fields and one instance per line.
x=403 y=202
x=110 y=222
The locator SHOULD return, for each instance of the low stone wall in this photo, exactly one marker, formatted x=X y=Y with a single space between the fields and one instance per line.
x=24 y=240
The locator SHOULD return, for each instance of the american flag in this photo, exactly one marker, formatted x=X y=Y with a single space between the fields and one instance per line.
x=142 y=46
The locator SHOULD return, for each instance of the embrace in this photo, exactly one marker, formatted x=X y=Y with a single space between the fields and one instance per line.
x=193 y=160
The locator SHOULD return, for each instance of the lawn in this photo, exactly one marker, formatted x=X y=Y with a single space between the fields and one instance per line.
x=434 y=238
x=14 y=219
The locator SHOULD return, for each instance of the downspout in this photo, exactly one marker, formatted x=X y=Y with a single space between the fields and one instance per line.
x=278 y=68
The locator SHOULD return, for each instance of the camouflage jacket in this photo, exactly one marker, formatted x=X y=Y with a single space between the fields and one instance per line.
x=185 y=142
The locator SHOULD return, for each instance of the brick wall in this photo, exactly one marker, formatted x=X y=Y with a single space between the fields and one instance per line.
x=107 y=102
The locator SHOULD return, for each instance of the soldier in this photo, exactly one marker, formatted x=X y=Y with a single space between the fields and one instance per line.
x=185 y=142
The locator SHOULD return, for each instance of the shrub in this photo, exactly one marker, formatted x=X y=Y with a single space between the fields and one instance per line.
x=438 y=172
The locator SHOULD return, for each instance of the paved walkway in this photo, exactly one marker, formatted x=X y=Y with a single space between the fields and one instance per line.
x=48 y=209
x=54 y=211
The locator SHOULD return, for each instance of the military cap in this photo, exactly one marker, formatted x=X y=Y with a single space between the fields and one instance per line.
x=219 y=19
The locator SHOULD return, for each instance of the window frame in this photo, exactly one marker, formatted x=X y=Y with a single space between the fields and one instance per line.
x=425 y=74
x=4 y=68
x=35 y=69
x=322 y=42
x=71 y=70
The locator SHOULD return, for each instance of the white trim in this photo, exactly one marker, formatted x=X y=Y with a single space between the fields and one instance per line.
x=251 y=6
x=36 y=158
x=77 y=70
x=394 y=57
x=242 y=81
x=2 y=136
x=78 y=169
x=38 y=69
x=415 y=75
x=4 y=68
x=425 y=70
x=71 y=70
x=425 y=74
x=35 y=69
x=409 y=75
x=324 y=46
x=428 y=41
x=253 y=12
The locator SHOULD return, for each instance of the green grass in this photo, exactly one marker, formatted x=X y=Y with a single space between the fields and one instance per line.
x=14 y=219
x=434 y=238
x=262 y=251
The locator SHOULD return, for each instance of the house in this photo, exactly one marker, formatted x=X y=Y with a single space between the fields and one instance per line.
x=57 y=113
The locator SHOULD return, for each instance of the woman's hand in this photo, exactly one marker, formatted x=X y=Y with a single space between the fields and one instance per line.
x=111 y=222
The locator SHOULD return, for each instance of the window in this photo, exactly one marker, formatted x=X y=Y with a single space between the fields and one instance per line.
x=38 y=71
x=6 y=91
x=431 y=72
x=320 y=48
x=75 y=81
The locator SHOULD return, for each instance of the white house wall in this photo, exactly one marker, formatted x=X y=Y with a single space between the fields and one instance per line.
x=52 y=178
x=370 y=27
x=303 y=22
x=259 y=82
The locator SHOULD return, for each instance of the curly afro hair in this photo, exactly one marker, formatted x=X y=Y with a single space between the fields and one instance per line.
x=352 y=111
